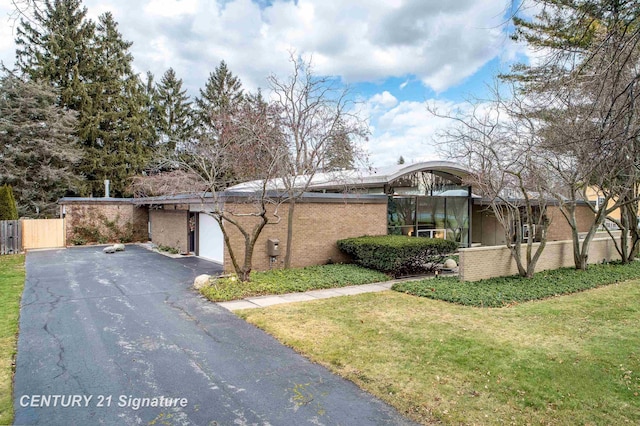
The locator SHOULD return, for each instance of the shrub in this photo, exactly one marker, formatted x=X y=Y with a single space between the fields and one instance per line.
x=8 y=207
x=398 y=255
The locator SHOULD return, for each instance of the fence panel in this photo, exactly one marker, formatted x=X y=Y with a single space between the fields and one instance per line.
x=42 y=233
x=10 y=237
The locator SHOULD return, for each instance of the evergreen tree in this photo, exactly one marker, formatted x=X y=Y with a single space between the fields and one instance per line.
x=115 y=127
x=340 y=150
x=37 y=145
x=91 y=68
x=8 y=208
x=401 y=160
x=174 y=121
x=56 y=47
x=222 y=94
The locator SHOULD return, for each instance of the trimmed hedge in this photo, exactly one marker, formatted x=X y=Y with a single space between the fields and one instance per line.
x=398 y=255
x=506 y=291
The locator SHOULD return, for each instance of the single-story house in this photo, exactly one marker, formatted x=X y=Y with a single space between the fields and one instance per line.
x=422 y=199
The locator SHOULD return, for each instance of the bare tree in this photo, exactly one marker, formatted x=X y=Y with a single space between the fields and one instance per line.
x=318 y=116
x=249 y=142
x=499 y=143
x=586 y=89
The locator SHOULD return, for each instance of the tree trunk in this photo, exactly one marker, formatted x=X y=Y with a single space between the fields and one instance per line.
x=287 y=256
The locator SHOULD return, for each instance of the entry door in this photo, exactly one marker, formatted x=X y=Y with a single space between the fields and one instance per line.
x=210 y=238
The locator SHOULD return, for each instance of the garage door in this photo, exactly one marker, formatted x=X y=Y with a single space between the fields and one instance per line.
x=210 y=239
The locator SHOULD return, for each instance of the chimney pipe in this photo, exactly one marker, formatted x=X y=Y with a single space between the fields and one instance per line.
x=106 y=188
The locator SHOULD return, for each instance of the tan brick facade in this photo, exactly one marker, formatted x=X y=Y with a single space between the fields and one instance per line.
x=317 y=226
x=559 y=229
x=489 y=232
x=105 y=221
x=169 y=228
x=486 y=262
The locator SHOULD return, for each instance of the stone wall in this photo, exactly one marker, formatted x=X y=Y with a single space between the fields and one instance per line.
x=104 y=221
x=169 y=227
x=486 y=262
x=317 y=226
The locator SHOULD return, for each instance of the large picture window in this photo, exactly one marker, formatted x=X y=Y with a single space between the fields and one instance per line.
x=433 y=217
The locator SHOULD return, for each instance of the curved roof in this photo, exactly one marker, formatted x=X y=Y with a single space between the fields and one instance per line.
x=374 y=177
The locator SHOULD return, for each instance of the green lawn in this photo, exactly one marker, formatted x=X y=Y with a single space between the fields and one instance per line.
x=569 y=360
x=281 y=281
x=11 y=284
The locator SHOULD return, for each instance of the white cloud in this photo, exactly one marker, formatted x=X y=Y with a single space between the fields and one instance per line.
x=385 y=99
x=435 y=42
x=406 y=130
x=440 y=43
x=170 y=8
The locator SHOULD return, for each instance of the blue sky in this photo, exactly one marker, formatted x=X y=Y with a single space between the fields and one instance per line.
x=397 y=55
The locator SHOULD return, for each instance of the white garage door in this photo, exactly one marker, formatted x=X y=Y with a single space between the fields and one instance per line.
x=210 y=239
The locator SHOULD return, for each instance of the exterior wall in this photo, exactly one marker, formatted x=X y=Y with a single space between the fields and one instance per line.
x=489 y=232
x=485 y=227
x=105 y=221
x=170 y=228
x=559 y=229
x=317 y=226
x=486 y=262
x=593 y=194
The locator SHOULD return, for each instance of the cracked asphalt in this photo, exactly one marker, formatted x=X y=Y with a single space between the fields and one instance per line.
x=100 y=333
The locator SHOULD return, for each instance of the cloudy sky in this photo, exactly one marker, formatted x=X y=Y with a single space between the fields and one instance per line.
x=396 y=55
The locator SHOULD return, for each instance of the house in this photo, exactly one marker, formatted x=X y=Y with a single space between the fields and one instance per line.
x=427 y=199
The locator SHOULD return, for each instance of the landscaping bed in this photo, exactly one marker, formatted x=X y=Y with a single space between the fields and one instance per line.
x=506 y=291
x=282 y=281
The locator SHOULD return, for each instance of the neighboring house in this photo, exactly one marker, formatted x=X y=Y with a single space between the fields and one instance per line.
x=426 y=199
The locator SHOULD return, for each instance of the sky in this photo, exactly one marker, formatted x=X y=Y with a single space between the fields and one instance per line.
x=397 y=56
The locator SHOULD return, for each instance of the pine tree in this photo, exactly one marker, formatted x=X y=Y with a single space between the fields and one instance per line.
x=340 y=152
x=37 y=145
x=222 y=94
x=401 y=160
x=115 y=127
x=174 y=121
x=8 y=208
x=56 y=47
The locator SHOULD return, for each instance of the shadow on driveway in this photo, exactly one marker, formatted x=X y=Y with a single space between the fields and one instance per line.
x=124 y=339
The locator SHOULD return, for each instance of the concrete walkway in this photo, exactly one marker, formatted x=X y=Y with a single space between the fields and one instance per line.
x=264 y=301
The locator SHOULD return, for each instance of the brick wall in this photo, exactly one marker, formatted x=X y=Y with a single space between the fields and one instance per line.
x=487 y=230
x=317 y=227
x=170 y=228
x=487 y=262
x=105 y=222
x=559 y=229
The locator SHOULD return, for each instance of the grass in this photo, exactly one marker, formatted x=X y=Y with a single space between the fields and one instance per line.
x=12 y=276
x=505 y=291
x=569 y=360
x=281 y=281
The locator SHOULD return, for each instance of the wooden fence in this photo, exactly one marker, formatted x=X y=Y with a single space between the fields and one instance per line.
x=42 y=233
x=10 y=237
x=28 y=234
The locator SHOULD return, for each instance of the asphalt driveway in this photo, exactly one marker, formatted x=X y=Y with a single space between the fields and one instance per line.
x=123 y=339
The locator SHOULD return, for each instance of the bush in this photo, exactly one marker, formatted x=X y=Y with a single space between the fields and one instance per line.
x=398 y=255
x=8 y=207
x=505 y=291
